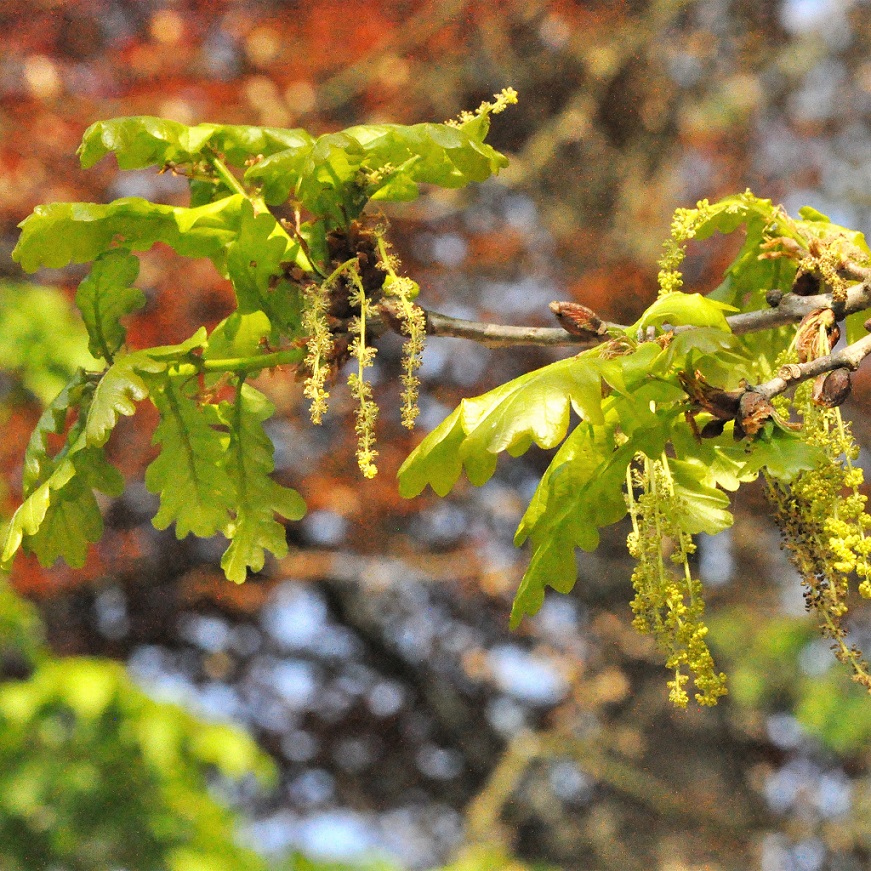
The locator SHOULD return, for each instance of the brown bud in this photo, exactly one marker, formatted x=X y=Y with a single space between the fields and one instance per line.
x=832 y=388
x=773 y=297
x=806 y=284
x=577 y=319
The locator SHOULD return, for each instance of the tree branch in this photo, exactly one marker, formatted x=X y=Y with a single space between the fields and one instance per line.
x=790 y=309
x=502 y=335
x=794 y=373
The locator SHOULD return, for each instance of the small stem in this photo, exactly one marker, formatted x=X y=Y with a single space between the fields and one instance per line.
x=227 y=177
x=254 y=363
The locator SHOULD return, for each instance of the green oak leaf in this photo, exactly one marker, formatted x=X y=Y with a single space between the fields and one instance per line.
x=435 y=461
x=254 y=263
x=249 y=463
x=38 y=464
x=140 y=141
x=189 y=473
x=118 y=392
x=678 y=309
x=783 y=456
x=124 y=384
x=105 y=296
x=532 y=408
x=703 y=507
x=581 y=491
x=61 y=517
x=58 y=234
x=338 y=173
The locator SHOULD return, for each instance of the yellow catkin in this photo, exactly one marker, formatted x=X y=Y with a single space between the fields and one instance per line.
x=367 y=410
x=403 y=290
x=822 y=518
x=669 y=606
x=318 y=349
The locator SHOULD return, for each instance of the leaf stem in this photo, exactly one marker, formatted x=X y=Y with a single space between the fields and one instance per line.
x=227 y=177
x=257 y=362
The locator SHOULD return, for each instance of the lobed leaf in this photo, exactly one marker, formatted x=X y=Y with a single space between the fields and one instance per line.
x=105 y=296
x=38 y=464
x=61 y=517
x=189 y=474
x=337 y=173
x=140 y=141
x=58 y=234
x=703 y=507
x=249 y=464
x=581 y=491
x=678 y=309
x=532 y=408
x=254 y=264
x=435 y=461
x=782 y=456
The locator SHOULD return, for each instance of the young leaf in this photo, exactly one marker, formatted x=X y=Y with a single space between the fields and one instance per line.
x=783 y=456
x=141 y=141
x=580 y=492
x=58 y=234
x=61 y=517
x=678 y=309
x=254 y=264
x=70 y=523
x=249 y=463
x=238 y=335
x=335 y=175
x=189 y=474
x=118 y=392
x=105 y=296
x=704 y=507
x=38 y=465
x=435 y=461
x=531 y=408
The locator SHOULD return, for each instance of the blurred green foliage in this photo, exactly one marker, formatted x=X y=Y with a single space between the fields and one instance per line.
x=96 y=775
x=766 y=674
x=43 y=339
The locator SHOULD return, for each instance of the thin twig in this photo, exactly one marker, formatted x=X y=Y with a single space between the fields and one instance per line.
x=791 y=309
x=501 y=335
x=788 y=376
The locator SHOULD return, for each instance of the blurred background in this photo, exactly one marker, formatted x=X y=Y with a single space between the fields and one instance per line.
x=361 y=703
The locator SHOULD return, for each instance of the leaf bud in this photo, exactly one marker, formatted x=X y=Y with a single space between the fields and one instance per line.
x=577 y=319
x=832 y=388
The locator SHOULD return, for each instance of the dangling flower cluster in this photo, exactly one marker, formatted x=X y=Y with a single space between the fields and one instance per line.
x=404 y=291
x=501 y=101
x=667 y=605
x=319 y=348
x=367 y=411
x=822 y=517
x=684 y=226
